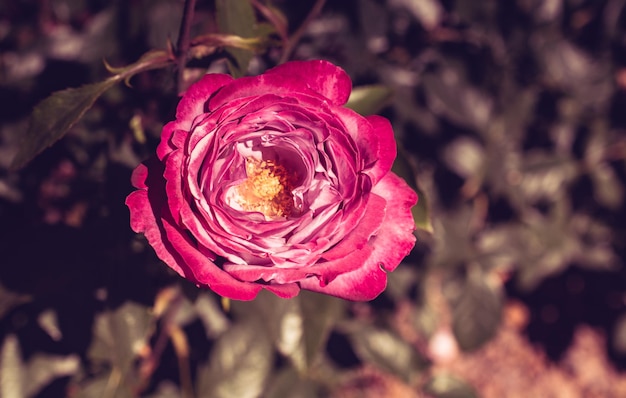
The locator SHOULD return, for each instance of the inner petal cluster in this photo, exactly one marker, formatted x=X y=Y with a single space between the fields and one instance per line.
x=267 y=189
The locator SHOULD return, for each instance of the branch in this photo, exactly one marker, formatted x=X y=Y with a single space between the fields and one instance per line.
x=295 y=38
x=182 y=46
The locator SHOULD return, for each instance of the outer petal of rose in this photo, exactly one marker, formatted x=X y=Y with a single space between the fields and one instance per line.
x=387 y=152
x=142 y=220
x=139 y=176
x=361 y=285
x=286 y=291
x=166 y=146
x=395 y=238
x=392 y=243
x=321 y=76
x=290 y=78
x=204 y=271
x=324 y=271
x=190 y=106
x=193 y=102
x=176 y=201
x=146 y=206
x=170 y=244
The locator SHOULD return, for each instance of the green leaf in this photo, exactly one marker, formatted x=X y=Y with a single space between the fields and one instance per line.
x=254 y=44
x=54 y=116
x=236 y=17
x=320 y=312
x=298 y=327
x=387 y=351
x=211 y=315
x=368 y=100
x=240 y=363
x=446 y=386
x=476 y=310
x=119 y=334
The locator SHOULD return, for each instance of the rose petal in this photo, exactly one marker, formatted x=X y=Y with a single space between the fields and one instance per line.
x=391 y=244
x=142 y=220
x=286 y=291
x=139 y=176
x=321 y=76
x=360 y=235
x=290 y=79
x=382 y=130
x=375 y=138
x=201 y=269
x=193 y=102
x=363 y=284
x=395 y=239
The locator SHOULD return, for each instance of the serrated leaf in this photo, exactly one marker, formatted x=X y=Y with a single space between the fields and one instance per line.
x=153 y=59
x=254 y=44
x=240 y=363
x=54 y=116
x=368 y=100
x=476 y=311
x=237 y=17
x=446 y=386
x=387 y=351
x=12 y=374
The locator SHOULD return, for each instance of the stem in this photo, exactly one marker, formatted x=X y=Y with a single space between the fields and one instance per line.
x=281 y=26
x=295 y=38
x=182 y=46
x=181 y=347
x=149 y=364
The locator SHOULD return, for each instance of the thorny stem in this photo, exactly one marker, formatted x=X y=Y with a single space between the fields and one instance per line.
x=295 y=38
x=182 y=46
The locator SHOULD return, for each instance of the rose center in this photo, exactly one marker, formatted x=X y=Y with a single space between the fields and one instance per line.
x=267 y=189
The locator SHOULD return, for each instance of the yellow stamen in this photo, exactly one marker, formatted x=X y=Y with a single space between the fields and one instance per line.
x=267 y=189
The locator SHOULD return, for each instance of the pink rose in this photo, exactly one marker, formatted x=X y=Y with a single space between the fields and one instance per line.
x=268 y=182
